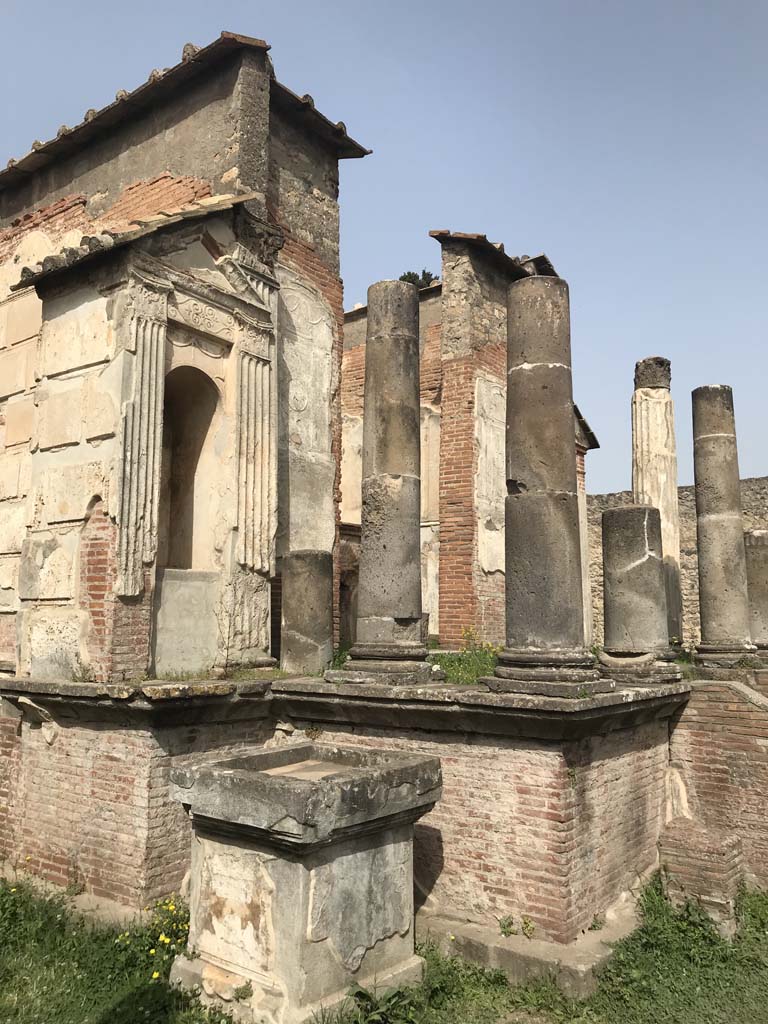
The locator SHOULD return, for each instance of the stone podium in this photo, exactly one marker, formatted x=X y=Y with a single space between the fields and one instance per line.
x=302 y=876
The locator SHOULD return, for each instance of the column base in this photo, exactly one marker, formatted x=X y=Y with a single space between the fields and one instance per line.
x=388 y=664
x=565 y=673
x=725 y=655
x=640 y=669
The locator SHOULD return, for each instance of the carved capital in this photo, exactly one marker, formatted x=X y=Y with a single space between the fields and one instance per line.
x=264 y=240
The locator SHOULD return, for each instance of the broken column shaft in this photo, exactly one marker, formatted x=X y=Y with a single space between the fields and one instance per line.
x=654 y=471
x=723 y=597
x=634 y=597
x=545 y=652
x=390 y=646
x=756 y=551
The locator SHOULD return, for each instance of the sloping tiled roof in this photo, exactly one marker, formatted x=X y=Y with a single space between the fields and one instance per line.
x=515 y=266
x=159 y=83
x=93 y=246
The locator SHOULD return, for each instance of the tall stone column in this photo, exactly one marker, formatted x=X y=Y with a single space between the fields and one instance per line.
x=654 y=471
x=636 y=644
x=723 y=595
x=390 y=646
x=544 y=652
x=756 y=551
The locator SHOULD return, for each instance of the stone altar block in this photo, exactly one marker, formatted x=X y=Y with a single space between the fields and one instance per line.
x=301 y=880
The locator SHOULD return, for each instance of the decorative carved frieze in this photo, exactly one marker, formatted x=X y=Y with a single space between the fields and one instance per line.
x=202 y=316
x=141 y=436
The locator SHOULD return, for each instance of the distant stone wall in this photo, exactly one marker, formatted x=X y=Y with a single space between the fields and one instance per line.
x=754 y=503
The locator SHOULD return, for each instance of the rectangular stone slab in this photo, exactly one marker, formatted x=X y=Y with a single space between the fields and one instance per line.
x=308 y=794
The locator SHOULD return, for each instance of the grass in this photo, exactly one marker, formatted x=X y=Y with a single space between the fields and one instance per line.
x=675 y=969
x=56 y=968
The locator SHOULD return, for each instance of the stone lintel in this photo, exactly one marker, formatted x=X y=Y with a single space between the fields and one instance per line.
x=474 y=709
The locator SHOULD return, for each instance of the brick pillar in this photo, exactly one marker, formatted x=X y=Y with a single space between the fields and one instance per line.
x=458 y=604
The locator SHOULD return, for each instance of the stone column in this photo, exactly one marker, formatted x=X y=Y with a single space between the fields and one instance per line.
x=634 y=597
x=654 y=471
x=544 y=652
x=389 y=644
x=723 y=596
x=756 y=550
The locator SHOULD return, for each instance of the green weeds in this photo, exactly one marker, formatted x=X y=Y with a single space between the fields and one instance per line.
x=474 y=660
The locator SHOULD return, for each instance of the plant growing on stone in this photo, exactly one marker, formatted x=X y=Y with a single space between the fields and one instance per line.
x=527 y=927
x=507 y=925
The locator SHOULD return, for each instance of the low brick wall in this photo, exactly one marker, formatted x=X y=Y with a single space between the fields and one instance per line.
x=554 y=832
x=754 y=503
x=720 y=747
x=93 y=808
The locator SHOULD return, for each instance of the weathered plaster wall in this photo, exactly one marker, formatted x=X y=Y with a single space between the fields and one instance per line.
x=302 y=200
x=754 y=503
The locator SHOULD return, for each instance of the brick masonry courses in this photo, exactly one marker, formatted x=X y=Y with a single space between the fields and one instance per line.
x=553 y=829
x=754 y=505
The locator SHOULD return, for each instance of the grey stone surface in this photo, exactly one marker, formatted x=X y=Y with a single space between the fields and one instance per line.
x=390 y=626
x=544 y=595
x=756 y=551
x=653 y=372
x=306 y=643
x=754 y=512
x=302 y=875
x=389 y=601
x=185 y=635
x=723 y=595
x=309 y=794
x=633 y=582
x=574 y=967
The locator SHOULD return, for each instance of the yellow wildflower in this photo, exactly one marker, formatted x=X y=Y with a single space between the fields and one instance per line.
x=152 y=952
x=155 y=974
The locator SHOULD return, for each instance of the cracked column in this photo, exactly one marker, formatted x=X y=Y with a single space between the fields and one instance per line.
x=756 y=551
x=654 y=471
x=636 y=646
x=544 y=652
x=390 y=647
x=723 y=596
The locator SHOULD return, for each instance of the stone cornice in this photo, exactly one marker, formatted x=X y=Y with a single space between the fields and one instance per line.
x=446 y=708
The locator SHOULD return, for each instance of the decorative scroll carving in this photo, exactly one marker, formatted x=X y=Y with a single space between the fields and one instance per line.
x=203 y=316
x=141 y=437
x=257 y=491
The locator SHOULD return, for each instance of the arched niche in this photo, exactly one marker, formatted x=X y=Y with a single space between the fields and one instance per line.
x=189 y=471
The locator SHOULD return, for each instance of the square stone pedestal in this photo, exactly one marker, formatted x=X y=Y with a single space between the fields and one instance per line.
x=302 y=876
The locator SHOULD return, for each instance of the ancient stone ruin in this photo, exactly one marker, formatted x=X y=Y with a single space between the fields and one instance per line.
x=175 y=366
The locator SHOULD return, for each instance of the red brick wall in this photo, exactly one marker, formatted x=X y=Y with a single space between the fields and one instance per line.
x=119 y=629
x=458 y=602
x=720 y=744
x=9 y=771
x=552 y=832
x=93 y=808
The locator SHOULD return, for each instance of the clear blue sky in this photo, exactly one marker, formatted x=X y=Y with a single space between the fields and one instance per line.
x=626 y=140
